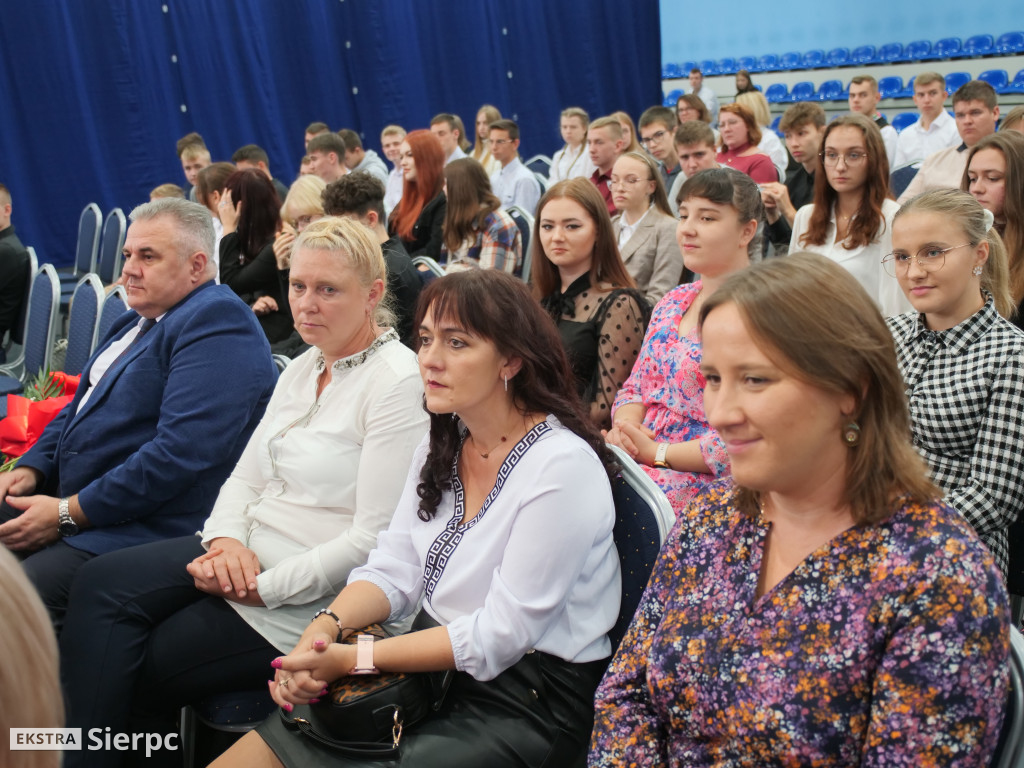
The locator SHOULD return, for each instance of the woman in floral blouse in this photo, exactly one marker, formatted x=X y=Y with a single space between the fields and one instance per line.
x=822 y=607
x=661 y=405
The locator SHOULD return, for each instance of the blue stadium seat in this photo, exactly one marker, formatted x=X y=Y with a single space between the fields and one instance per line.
x=830 y=90
x=888 y=87
x=903 y=119
x=671 y=71
x=947 y=48
x=708 y=68
x=919 y=50
x=1017 y=86
x=687 y=66
x=768 y=63
x=803 y=91
x=838 y=57
x=997 y=78
x=955 y=79
x=814 y=58
x=865 y=54
x=1011 y=42
x=908 y=90
x=748 y=63
x=775 y=125
x=890 y=52
x=790 y=60
x=727 y=66
x=777 y=93
x=979 y=45
x=672 y=97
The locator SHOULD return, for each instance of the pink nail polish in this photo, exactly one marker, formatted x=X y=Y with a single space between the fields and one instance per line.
x=276 y=663
x=314 y=701
x=288 y=707
x=319 y=644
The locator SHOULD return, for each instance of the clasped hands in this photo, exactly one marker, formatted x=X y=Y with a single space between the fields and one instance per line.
x=302 y=676
x=635 y=439
x=229 y=570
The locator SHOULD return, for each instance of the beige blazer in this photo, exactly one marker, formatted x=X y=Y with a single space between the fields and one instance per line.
x=652 y=255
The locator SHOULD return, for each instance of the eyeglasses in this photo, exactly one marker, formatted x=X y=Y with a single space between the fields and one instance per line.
x=630 y=181
x=929 y=259
x=499 y=142
x=653 y=138
x=850 y=158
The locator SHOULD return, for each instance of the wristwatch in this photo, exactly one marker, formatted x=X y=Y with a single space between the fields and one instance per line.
x=65 y=525
x=661 y=456
x=364 y=656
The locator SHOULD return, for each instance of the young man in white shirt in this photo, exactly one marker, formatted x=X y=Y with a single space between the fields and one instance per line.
x=514 y=184
x=448 y=129
x=704 y=93
x=976 y=109
x=934 y=129
x=391 y=139
x=864 y=98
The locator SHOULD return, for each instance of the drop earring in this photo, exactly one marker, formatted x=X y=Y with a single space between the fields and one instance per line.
x=505 y=376
x=851 y=434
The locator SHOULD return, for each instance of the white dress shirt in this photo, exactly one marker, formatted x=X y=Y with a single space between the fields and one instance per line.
x=393 y=190
x=319 y=480
x=567 y=164
x=515 y=184
x=864 y=262
x=536 y=568
x=916 y=143
x=457 y=154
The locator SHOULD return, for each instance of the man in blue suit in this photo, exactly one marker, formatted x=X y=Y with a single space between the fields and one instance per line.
x=165 y=407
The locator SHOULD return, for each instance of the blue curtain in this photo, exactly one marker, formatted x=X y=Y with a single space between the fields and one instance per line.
x=95 y=94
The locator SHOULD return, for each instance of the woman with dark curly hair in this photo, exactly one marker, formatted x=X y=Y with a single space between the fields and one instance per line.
x=504 y=532
x=250 y=211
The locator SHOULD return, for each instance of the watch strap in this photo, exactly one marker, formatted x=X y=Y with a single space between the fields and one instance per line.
x=364 y=656
x=661 y=455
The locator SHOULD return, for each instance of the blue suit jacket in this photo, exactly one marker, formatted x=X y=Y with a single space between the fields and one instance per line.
x=163 y=428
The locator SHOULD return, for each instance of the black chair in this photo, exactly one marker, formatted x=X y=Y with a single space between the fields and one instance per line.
x=1010 y=749
x=85 y=314
x=14 y=348
x=115 y=305
x=900 y=179
x=111 y=243
x=86 y=249
x=643 y=519
x=542 y=163
x=236 y=712
x=40 y=331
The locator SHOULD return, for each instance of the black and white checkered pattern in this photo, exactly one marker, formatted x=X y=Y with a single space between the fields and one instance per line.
x=965 y=387
x=448 y=540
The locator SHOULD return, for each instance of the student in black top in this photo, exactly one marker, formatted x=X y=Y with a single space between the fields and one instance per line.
x=13 y=269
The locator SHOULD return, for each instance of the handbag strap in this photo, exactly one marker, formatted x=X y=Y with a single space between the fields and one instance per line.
x=373 y=750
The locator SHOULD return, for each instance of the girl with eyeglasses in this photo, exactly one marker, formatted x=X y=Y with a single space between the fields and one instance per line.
x=962 y=361
x=738 y=148
x=645 y=228
x=850 y=220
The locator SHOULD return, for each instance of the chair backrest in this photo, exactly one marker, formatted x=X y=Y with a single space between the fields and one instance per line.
x=888 y=87
x=917 y=50
x=997 y=78
x=671 y=71
x=903 y=119
x=979 y=45
x=708 y=68
x=115 y=305
x=748 y=63
x=830 y=90
x=89 y=224
x=776 y=92
x=643 y=519
x=813 y=59
x=947 y=47
x=85 y=313
x=523 y=220
x=790 y=60
x=1010 y=748
x=111 y=243
x=802 y=91
x=900 y=179
x=727 y=66
x=16 y=341
x=433 y=268
x=955 y=79
x=838 y=57
x=1011 y=42
x=864 y=54
x=542 y=163
x=1017 y=86
x=41 y=328
x=281 y=362
x=672 y=97
x=542 y=179
x=890 y=52
x=768 y=62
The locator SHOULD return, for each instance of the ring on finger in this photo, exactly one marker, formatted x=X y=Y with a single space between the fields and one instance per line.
x=284 y=683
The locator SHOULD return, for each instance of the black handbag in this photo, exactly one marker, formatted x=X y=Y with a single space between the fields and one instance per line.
x=363 y=716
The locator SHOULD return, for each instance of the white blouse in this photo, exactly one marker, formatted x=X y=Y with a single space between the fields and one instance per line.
x=567 y=164
x=535 y=569
x=320 y=478
x=864 y=262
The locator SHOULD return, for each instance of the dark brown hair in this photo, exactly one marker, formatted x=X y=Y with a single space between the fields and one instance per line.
x=815 y=320
x=497 y=307
x=260 y=217
x=606 y=265
x=470 y=201
x=212 y=179
x=865 y=226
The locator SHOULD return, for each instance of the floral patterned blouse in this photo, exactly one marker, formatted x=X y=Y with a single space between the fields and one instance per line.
x=887 y=646
x=667 y=380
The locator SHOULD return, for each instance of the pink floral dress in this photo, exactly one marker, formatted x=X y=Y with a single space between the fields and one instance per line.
x=666 y=379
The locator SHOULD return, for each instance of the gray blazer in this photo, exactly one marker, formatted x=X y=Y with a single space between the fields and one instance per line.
x=652 y=255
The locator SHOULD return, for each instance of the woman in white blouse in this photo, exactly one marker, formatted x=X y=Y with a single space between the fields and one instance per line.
x=504 y=532
x=181 y=619
x=573 y=159
x=850 y=220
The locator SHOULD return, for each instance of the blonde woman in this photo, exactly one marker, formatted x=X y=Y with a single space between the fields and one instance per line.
x=30 y=694
x=572 y=160
x=632 y=144
x=486 y=115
